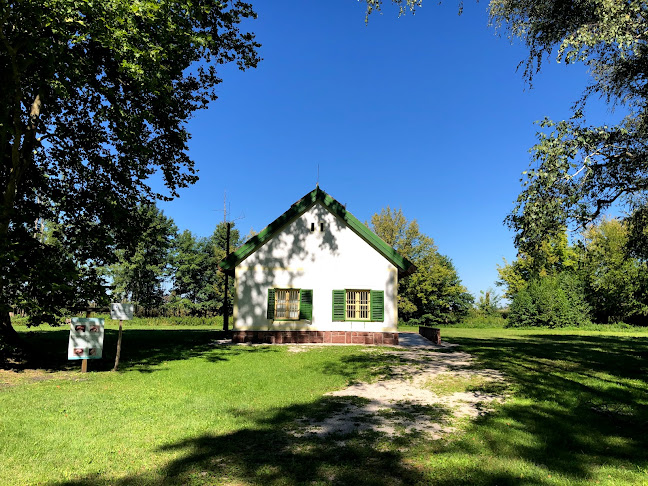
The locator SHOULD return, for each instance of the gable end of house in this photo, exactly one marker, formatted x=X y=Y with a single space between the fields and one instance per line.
x=404 y=266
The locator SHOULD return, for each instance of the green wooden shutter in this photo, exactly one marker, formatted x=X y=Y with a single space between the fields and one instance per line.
x=377 y=305
x=339 y=297
x=271 y=303
x=305 y=304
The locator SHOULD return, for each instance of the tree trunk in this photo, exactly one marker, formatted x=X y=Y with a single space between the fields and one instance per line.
x=20 y=157
x=119 y=345
x=7 y=333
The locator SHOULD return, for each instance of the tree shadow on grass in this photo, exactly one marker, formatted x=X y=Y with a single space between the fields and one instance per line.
x=144 y=350
x=270 y=453
x=581 y=402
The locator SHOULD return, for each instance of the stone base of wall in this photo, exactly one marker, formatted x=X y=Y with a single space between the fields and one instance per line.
x=316 y=337
x=431 y=333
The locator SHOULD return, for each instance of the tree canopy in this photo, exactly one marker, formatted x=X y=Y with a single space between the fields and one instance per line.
x=616 y=284
x=595 y=275
x=554 y=255
x=94 y=102
x=140 y=272
x=580 y=170
x=434 y=292
x=198 y=286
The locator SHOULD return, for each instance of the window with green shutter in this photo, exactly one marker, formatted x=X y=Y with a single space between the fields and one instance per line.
x=359 y=305
x=290 y=304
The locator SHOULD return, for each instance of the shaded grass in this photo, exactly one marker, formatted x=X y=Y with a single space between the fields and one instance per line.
x=143 y=349
x=578 y=415
x=186 y=412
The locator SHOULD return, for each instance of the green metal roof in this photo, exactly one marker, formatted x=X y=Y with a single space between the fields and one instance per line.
x=405 y=267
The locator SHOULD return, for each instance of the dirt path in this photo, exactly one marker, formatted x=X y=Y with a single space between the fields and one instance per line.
x=428 y=391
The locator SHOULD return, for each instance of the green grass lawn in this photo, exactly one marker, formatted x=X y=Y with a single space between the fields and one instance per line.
x=184 y=411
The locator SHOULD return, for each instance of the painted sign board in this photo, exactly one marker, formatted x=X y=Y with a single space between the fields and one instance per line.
x=121 y=312
x=86 y=338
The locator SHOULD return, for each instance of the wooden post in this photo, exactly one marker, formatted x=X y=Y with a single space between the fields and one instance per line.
x=226 y=300
x=84 y=362
x=119 y=343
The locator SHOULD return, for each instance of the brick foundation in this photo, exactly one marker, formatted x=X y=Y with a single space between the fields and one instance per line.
x=318 y=337
x=431 y=333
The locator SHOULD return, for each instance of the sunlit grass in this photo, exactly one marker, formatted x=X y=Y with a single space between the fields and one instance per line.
x=451 y=383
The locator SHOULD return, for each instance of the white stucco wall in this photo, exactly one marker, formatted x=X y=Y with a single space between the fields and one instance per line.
x=336 y=258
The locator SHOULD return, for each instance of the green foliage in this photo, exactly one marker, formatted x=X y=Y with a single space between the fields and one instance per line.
x=433 y=294
x=192 y=256
x=488 y=302
x=478 y=320
x=580 y=170
x=552 y=301
x=403 y=6
x=198 y=286
x=140 y=273
x=551 y=256
x=173 y=321
x=637 y=226
x=95 y=99
x=616 y=283
x=141 y=322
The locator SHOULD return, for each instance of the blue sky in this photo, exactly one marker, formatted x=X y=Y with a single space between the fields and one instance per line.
x=426 y=113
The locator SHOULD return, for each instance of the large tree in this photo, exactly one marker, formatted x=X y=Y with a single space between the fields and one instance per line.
x=141 y=271
x=616 y=285
x=580 y=170
x=94 y=101
x=198 y=286
x=553 y=256
x=434 y=290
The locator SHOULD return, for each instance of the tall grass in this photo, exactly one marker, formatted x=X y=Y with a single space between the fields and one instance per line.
x=146 y=322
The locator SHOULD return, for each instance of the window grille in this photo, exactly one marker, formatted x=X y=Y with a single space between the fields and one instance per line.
x=287 y=304
x=357 y=305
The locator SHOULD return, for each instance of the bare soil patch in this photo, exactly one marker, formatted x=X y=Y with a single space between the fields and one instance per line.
x=11 y=378
x=427 y=392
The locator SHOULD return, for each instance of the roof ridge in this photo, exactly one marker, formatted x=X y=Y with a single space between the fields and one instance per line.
x=404 y=266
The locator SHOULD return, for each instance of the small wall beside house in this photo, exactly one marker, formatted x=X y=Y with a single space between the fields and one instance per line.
x=431 y=334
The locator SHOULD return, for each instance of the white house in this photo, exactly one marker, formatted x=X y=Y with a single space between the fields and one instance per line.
x=316 y=274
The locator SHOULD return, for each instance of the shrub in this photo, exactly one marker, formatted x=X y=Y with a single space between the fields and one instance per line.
x=488 y=302
x=476 y=319
x=555 y=301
